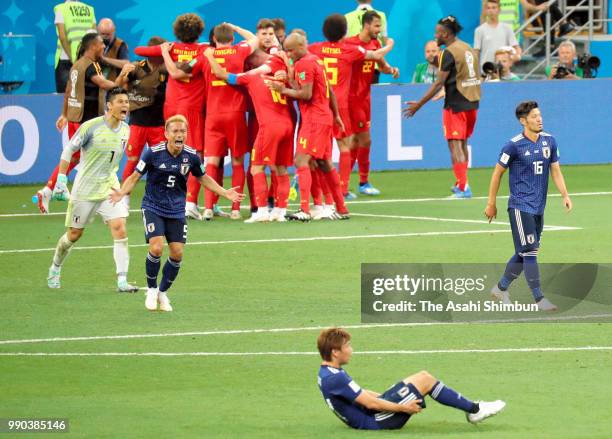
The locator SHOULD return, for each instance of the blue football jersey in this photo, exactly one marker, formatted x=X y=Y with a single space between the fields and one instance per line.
x=340 y=391
x=166 y=189
x=529 y=165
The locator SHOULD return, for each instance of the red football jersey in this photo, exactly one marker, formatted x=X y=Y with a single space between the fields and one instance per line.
x=222 y=98
x=185 y=93
x=338 y=59
x=363 y=72
x=270 y=106
x=309 y=70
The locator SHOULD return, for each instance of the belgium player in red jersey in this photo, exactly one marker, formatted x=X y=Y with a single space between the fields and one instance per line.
x=359 y=98
x=318 y=112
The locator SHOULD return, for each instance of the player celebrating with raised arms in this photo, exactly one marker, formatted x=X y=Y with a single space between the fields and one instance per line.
x=101 y=141
x=368 y=410
x=163 y=207
x=531 y=156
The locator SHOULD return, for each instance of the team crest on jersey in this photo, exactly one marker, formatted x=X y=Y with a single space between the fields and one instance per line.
x=184 y=168
x=546 y=152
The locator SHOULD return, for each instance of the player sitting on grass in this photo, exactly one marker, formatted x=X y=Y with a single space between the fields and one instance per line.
x=163 y=206
x=530 y=156
x=101 y=142
x=368 y=410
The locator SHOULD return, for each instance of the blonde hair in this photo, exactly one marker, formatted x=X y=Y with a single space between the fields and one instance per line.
x=175 y=118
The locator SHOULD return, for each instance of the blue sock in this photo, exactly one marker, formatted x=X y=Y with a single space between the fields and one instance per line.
x=447 y=396
x=152 y=269
x=513 y=271
x=169 y=273
x=532 y=274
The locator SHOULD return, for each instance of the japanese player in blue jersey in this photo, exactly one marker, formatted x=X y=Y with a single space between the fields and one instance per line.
x=163 y=207
x=365 y=409
x=531 y=157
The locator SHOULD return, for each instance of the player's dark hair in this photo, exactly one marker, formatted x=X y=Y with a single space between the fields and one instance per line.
x=86 y=42
x=369 y=16
x=211 y=39
x=224 y=33
x=156 y=41
x=330 y=339
x=188 y=27
x=113 y=92
x=524 y=108
x=265 y=23
x=334 y=27
x=493 y=1
x=279 y=24
x=451 y=24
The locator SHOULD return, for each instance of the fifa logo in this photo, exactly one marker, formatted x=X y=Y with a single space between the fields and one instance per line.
x=469 y=60
x=74 y=75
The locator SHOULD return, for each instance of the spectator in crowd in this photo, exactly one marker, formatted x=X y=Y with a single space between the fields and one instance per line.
x=280 y=30
x=566 y=68
x=510 y=11
x=72 y=21
x=114 y=49
x=490 y=36
x=353 y=20
x=427 y=72
x=555 y=16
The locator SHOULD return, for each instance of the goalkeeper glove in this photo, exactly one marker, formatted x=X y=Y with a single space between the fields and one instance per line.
x=60 y=191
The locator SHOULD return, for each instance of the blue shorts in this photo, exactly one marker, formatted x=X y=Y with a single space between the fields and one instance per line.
x=174 y=229
x=399 y=393
x=526 y=230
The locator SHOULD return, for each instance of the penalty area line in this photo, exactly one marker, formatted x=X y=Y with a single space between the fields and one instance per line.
x=302 y=329
x=300 y=353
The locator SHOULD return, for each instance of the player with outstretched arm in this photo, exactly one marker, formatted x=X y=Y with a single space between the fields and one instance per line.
x=163 y=206
x=530 y=156
x=368 y=410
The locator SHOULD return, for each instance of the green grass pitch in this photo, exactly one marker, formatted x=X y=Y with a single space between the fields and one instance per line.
x=264 y=276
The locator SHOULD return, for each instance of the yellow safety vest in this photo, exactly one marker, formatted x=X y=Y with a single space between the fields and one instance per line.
x=354 y=25
x=78 y=19
x=509 y=13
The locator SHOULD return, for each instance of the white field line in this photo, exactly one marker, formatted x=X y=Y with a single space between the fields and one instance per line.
x=299 y=329
x=368 y=201
x=294 y=353
x=287 y=240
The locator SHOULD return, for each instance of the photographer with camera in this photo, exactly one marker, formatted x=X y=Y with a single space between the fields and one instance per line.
x=501 y=69
x=566 y=68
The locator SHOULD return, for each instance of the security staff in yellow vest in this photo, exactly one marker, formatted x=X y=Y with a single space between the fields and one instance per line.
x=72 y=20
x=115 y=49
x=354 y=24
x=459 y=74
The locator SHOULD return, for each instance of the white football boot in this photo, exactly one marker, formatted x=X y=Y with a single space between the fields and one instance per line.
x=151 y=299
x=487 y=409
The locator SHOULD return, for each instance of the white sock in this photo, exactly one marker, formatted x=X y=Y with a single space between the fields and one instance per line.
x=189 y=205
x=61 y=251
x=46 y=191
x=122 y=258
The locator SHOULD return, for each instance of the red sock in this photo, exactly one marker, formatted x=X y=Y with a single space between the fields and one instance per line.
x=283 y=184
x=74 y=160
x=327 y=193
x=305 y=182
x=315 y=189
x=461 y=174
x=273 y=185
x=465 y=173
x=345 y=170
x=251 y=187
x=219 y=180
x=363 y=159
x=238 y=178
x=333 y=182
x=193 y=189
x=209 y=200
x=354 y=152
x=261 y=189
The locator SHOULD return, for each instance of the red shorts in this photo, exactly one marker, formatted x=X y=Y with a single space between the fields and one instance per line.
x=72 y=128
x=360 y=116
x=252 y=128
x=458 y=125
x=140 y=135
x=195 y=125
x=315 y=140
x=345 y=115
x=274 y=145
x=226 y=131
